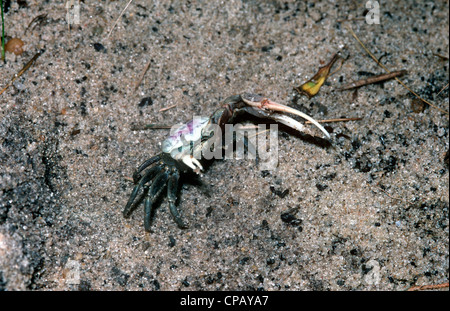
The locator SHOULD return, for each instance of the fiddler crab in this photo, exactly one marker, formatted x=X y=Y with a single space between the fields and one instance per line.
x=177 y=150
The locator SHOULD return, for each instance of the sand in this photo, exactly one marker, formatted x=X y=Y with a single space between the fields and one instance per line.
x=367 y=212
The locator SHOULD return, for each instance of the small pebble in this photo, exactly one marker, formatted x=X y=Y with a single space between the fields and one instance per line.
x=417 y=105
x=15 y=45
x=147 y=101
x=315 y=15
x=99 y=47
x=97 y=30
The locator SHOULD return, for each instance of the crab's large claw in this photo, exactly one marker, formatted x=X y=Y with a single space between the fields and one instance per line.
x=269 y=109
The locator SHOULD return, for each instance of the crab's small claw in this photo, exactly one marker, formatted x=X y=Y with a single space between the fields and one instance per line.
x=264 y=105
x=193 y=163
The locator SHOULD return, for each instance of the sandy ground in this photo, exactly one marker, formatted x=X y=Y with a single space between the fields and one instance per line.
x=369 y=212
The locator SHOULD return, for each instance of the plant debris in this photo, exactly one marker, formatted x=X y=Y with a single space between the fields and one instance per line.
x=313 y=85
x=372 y=80
x=21 y=72
x=384 y=67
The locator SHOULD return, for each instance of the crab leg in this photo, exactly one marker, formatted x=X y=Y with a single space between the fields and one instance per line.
x=143 y=166
x=263 y=103
x=156 y=188
x=172 y=188
x=145 y=179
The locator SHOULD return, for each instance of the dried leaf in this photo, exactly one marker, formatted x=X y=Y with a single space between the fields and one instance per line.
x=312 y=86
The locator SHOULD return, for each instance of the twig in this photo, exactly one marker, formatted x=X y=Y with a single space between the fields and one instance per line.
x=335 y=120
x=446 y=86
x=339 y=68
x=3 y=33
x=152 y=126
x=427 y=287
x=392 y=197
x=350 y=19
x=128 y=178
x=37 y=19
x=371 y=80
x=142 y=75
x=67 y=14
x=117 y=20
x=384 y=67
x=21 y=72
x=167 y=108
x=259 y=133
x=441 y=56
